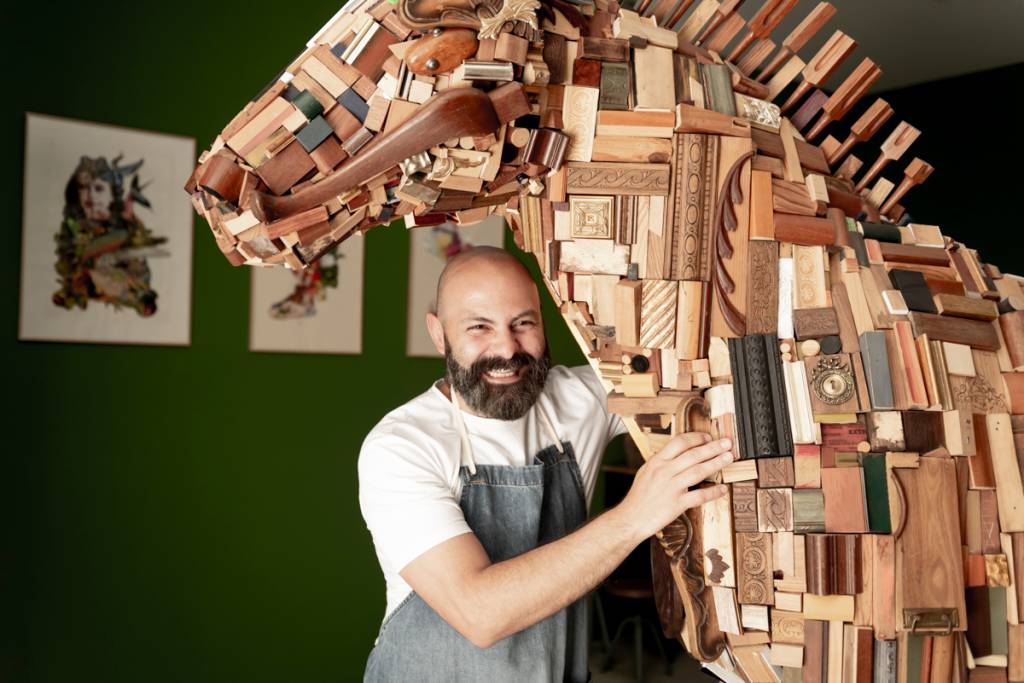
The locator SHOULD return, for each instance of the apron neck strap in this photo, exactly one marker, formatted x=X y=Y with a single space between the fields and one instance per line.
x=466 y=450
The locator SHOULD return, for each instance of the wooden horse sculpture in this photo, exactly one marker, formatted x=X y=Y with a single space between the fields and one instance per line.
x=689 y=189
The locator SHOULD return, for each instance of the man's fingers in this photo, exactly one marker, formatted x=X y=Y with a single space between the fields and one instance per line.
x=698 y=497
x=704 y=470
x=699 y=454
x=682 y=443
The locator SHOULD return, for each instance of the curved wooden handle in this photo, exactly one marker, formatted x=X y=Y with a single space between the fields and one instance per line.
x=451 y=114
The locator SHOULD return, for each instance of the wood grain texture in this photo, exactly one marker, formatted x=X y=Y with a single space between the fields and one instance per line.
x=929 y=571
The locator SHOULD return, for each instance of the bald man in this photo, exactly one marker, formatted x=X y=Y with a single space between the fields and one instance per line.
x=476 y=494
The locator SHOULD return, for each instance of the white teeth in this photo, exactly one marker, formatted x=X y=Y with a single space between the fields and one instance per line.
x=501 y=373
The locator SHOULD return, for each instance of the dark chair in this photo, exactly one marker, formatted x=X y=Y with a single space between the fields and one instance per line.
x=629 y=590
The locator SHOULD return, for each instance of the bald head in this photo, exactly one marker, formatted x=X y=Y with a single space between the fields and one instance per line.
x=476 y=271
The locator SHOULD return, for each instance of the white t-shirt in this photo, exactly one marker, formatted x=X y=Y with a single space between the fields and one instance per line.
x=409 y=485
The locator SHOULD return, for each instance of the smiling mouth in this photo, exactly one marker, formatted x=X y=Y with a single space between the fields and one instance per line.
x=504 y=376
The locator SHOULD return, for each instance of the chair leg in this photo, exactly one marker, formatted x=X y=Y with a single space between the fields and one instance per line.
x=602 y=625
x=609 y=657
x=638 y=648
x=661 y=649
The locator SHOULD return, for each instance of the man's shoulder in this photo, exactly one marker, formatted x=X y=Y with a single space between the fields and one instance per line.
x=565 y=381
x=420 y=424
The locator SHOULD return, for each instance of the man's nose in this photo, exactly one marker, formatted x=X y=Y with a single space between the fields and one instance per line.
x=505 y=344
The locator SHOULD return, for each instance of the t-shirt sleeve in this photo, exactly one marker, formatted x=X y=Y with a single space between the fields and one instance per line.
x=593 y=383
x=406 y=498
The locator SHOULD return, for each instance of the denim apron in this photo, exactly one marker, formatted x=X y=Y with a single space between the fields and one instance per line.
x=511 y=510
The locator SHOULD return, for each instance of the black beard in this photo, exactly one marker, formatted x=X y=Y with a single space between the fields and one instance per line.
x=504 y=401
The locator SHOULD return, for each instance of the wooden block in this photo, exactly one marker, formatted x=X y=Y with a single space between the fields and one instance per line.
x=885 y=431
x=631 y=149
x=640 y=384
x=653 y=81
x=845 y=506
x=286 y=168
x=614 y=84
x=754 y=575
x=717 y=538
x=928 y=564
x=594 y=256
x=688 y=321
x=744 y=506
x=775 y=510
x=808 y=510
x=911 y=364
x=807 y=467
x=959 y=360
x=1012 y=327
x=754 y=617
x=787 y=655
x=787 y=627
x=815 y=323
x=809 y=289
x=762 y=294
x=742 y=470
x=605 y=178
x=1009 y=492
x=651 y=124
x=579 y=115
x=692 y=119
x=974 y=333
x=793 y=198
x=883 y=584
x=627 y=312
x=592 y=217
x=726 y=609
x=791 y=158
x=828 y=607
x=657 y=314
x=762 y=224
x=775 y=472
x=511 y=48
x=965 y=307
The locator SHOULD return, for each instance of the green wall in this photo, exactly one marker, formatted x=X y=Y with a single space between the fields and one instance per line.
x=178 y=514
x=188 y=514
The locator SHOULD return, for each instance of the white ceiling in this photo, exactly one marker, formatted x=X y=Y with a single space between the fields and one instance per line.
x=914 y=41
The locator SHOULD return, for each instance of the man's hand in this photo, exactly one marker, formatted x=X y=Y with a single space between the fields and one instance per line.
x=660 y=491
x=486 y=602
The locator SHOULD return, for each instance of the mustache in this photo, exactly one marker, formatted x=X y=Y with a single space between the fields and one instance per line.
x=518 y=361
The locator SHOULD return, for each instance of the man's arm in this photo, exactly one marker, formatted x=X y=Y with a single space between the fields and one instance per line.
x=487 y=602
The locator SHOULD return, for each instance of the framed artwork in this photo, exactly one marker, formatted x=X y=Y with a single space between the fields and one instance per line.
x=430 y=247
x=106 y=234
x=319 y=310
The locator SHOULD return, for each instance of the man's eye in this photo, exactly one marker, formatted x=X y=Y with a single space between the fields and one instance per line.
x=478 y=327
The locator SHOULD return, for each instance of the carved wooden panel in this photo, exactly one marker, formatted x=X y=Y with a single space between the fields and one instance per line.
x=760 y=397
x=692 y=204
x=592 y=217
x=605 y=177
x=744 y=506
x=763 y=293
x=774 y=510
x=754 y=574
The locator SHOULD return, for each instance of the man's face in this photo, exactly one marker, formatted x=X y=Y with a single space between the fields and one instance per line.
x=496 y=355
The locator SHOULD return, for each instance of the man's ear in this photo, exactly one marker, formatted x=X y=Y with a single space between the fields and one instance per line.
x=436 y=331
